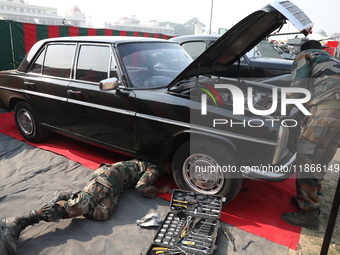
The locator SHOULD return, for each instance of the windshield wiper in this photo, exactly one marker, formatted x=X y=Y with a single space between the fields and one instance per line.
x=181 y=86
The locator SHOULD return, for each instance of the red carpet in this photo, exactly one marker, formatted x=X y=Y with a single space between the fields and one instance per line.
x=257 y=209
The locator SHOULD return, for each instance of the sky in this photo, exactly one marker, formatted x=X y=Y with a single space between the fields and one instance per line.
x=324 y=13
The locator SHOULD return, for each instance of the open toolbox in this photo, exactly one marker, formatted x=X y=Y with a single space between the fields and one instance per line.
x=191 y=227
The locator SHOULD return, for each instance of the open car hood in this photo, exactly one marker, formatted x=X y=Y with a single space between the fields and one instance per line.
x=244 y=36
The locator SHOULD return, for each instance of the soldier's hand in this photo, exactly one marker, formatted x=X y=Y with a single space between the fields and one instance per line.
x=165 y=189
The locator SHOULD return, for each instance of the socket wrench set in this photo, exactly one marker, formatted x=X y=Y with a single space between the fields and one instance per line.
x=192 y=225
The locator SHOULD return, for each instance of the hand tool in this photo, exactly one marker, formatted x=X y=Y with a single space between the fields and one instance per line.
x=195 y=244
x=246 y=246
x=180 y=201
x=185 y=206
x=200 y=235
x=168 y=252
x=200 y=241
x=163 y=250
x=205 y=250
x=210 y=206
x=209 y=223
x=230 y=238
x=195 y=222
x=188 y=242
x=186 y=228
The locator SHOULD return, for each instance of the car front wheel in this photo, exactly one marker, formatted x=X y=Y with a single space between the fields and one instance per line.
x=28 y=124
x=208 y=168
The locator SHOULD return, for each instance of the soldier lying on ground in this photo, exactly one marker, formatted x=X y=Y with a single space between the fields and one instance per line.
x=96 y=201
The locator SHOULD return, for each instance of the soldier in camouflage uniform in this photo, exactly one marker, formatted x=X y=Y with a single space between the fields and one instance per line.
x=96 y=201
x=319 y=72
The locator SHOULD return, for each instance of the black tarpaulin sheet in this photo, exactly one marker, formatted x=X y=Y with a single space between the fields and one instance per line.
x=28 y=178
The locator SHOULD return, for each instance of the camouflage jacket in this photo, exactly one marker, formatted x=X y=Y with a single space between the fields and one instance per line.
x=135 y=173
x=318 y=72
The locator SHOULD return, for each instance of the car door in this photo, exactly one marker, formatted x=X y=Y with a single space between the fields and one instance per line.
x=104 y=117
x=46 y=83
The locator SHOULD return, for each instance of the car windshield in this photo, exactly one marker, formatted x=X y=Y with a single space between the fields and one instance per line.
x=153 y=65
x=253 y=53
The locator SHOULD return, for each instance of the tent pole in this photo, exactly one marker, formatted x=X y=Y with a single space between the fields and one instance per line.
x=331 y=221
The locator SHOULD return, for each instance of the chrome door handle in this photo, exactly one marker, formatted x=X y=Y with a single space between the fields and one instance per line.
x=70 y=91
x=29 y=83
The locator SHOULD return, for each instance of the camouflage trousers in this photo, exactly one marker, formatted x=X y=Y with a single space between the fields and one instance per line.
x=96 y=201
x=318 y=143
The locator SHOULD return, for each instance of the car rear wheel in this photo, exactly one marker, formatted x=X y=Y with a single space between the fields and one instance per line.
x=28 y=124
x=207 y=167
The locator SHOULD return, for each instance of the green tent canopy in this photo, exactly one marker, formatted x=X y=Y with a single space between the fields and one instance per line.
x=17 y=38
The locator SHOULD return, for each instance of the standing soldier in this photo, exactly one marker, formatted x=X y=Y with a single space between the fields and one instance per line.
x=319 y=72
x=96 y=201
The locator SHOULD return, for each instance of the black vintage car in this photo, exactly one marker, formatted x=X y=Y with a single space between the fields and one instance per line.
x=146 y=98
x=250 y=65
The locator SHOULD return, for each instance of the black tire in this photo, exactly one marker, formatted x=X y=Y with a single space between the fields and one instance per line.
x=198 y=153
x=28 y=124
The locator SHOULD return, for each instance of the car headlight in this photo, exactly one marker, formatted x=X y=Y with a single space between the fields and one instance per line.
x=281 y=144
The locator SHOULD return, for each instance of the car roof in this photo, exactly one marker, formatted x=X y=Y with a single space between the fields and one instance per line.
x=87 y=39
x=184 y=38
x=105 y=39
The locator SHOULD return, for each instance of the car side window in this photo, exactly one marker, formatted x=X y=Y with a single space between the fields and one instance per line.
x=194 y=49
x=37 y=66
x=58 y=60
x=93 y=63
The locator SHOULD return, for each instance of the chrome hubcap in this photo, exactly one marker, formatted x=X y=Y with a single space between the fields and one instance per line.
x=201 y=174
x=25 y=122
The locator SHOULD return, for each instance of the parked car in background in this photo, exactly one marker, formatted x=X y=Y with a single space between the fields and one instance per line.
x=144 y=97
x=252 y=64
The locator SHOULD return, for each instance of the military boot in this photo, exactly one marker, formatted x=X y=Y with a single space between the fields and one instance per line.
x=12 y=230
x=307 y=219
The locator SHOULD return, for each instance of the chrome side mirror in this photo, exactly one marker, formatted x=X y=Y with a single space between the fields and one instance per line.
x=109 y=84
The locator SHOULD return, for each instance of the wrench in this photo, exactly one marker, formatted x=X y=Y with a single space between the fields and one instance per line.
x=194 y=234
x=206 y=251
x=246 y=246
